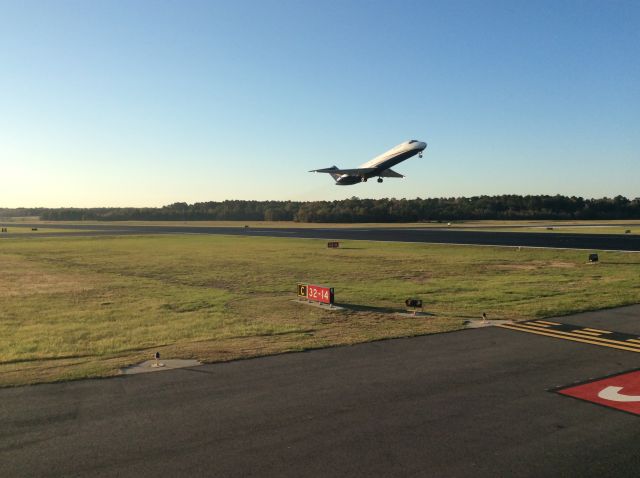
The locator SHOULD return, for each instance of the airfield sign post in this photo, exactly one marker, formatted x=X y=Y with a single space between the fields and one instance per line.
x=157 y=362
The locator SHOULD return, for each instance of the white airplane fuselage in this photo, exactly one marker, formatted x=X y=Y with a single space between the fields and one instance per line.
x=378 y=166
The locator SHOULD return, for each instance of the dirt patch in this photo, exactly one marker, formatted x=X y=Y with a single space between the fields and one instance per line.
x=21 y=277
x=516 y=267
x=562 y=265
x=534 y=266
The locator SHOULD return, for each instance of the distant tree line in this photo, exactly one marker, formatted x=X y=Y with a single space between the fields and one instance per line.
x=22 y=212
x=360 y=210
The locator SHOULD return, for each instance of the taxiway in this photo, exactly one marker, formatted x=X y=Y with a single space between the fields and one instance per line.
x=599 y=242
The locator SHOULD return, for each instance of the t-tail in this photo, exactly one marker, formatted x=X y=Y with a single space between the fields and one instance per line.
x=335 y=176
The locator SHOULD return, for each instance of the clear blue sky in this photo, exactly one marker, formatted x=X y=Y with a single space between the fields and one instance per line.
x=145 y=103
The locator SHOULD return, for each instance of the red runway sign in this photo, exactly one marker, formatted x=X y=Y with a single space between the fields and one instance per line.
x=320 y=294
x=619 y=391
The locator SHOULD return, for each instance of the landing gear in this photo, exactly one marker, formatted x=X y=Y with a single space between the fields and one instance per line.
x=420 y=154
x=379 y=180
x=363 y=179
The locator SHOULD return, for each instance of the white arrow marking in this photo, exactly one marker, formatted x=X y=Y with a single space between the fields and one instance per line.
x=613 y=394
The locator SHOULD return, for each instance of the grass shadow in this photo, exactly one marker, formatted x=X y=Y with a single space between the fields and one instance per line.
x=383 y=310
x=619 y=263
x=368 y=308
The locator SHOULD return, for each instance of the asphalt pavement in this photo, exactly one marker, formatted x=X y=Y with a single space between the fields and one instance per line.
x=595 y=242
x=469 y=403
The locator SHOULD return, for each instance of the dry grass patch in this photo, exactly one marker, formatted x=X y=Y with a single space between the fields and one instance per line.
x=21 y=277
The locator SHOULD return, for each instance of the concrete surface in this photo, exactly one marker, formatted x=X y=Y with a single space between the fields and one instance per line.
x=164 y=364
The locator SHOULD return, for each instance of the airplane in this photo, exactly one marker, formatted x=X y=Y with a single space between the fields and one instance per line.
x=378 y=166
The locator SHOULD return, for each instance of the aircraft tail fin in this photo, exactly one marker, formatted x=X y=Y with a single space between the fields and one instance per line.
x=335 y=175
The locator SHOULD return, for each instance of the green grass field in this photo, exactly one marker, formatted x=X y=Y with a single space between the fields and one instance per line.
x=84 y=307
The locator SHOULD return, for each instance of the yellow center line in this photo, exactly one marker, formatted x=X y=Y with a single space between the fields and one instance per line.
x=570 y=334
x=594 y=334
x=633 y=340
x=597 y=330
x=546 y=322
x=576 y=338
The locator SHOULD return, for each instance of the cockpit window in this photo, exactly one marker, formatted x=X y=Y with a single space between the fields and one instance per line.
x=413 y=141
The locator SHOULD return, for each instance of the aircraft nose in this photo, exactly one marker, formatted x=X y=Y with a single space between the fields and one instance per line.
x=423 y=145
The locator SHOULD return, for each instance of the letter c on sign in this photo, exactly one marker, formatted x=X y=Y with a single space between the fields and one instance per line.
x=613 y=394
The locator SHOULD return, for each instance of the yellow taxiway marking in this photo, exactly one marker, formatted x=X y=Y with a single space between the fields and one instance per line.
x=604 y=342
x=597 y=330
x=586 y=332
x=633 y=340
x=576 y=338
x=546 y=322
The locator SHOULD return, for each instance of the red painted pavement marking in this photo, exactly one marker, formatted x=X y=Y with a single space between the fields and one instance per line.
x=620 y=391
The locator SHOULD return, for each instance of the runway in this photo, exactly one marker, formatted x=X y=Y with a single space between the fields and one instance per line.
x=474 y=403
x=597 y=242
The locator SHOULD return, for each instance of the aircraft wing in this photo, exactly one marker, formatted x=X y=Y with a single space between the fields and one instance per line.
x=390 y=173
x=350 y=172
